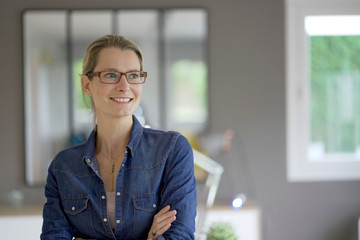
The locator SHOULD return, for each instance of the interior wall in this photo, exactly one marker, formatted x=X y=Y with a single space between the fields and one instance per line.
x=247 y=92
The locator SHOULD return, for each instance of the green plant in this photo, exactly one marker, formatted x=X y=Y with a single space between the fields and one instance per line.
x=221 y=231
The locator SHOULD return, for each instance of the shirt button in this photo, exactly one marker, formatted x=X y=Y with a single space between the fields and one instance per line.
x=118 y=193
x=154 y=205
x=122 y=165
x=105 y=219
x=103 y=197
x=117 y=221
x=73 y=208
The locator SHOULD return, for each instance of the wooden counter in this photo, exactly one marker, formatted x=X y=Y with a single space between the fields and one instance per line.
x=21 y=211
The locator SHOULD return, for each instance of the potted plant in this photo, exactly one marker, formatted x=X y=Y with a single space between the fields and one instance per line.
x=221 y=231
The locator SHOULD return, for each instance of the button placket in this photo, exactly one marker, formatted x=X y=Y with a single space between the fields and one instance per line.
x=126 y=153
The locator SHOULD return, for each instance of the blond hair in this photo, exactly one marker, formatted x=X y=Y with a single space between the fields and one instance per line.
x=119 y=41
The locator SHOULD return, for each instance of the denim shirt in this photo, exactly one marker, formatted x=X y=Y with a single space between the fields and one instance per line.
x=158 y=170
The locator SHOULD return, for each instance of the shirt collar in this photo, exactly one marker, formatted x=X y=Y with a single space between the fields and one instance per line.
x=89 y=151
x=135 y=137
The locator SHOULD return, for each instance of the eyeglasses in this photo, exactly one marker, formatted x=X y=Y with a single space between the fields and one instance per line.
x=113 y=77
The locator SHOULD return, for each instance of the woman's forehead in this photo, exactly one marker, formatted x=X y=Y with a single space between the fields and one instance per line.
x=116 y=58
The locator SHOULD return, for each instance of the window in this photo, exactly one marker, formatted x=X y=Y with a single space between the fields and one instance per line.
x=174 y=44
x=185 y=35
x=323 y=90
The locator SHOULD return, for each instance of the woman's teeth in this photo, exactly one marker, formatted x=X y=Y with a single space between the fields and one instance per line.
x=121 y=99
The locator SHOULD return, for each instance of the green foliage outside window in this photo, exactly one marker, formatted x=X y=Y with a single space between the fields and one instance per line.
x=189 y=90
x=81 y=101
x=335 y=88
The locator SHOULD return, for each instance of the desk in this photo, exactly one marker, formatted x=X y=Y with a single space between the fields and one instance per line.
x=24 y=210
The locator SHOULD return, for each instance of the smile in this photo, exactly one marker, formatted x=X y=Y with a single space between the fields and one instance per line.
x=122 y=100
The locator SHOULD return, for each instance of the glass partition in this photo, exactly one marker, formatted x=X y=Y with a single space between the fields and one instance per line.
x=186 y=68
x=47 y=125
x=174 y=43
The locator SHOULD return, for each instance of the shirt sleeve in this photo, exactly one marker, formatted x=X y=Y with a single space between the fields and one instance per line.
x=180 y=191
x=55 y=224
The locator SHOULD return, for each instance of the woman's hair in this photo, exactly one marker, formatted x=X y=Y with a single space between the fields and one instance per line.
x=92 y=53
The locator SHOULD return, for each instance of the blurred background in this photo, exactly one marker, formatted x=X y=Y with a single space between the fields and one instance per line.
x=217 y=73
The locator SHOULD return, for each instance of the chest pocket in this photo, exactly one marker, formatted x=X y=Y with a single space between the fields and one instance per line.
x=79 y=215
x=145 y=207
x=74 y=206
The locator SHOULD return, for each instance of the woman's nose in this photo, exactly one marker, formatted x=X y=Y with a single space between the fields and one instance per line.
x=123 y=84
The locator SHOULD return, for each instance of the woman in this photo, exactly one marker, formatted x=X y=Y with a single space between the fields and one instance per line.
x=114 y=185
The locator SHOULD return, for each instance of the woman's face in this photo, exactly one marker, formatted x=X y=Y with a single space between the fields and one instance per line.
x=114 y=100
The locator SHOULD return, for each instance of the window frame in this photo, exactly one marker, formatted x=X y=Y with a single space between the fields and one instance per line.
x=299 y=167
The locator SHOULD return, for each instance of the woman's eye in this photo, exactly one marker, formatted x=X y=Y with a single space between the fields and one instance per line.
x=110 y=75
x=134 y=75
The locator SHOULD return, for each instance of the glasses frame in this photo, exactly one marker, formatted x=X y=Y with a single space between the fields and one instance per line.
x=98 y=74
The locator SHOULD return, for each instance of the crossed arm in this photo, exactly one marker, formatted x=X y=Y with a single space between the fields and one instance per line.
x=161 y=223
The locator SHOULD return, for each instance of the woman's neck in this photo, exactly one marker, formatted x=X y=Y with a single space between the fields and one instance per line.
x=113 y=136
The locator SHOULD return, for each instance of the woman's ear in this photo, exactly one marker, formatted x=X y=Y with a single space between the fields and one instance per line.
x=85 y=83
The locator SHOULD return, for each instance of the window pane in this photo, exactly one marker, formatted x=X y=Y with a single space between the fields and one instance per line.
x=46 y=90
x=189 y=87
x=86 y=26
x=185 y=45
x=334 y=87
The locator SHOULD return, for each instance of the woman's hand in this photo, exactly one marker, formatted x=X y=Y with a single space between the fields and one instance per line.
x=162 y=222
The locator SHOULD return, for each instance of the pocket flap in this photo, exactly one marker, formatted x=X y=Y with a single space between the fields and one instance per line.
x=74 y=205
x=146 y=202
